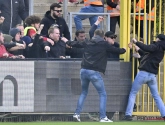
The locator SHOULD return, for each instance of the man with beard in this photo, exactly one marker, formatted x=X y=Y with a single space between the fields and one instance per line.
x=52 y=18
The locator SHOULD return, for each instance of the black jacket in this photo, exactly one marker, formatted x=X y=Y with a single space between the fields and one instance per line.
x=56 y=50
x=95 y=53
x=10 y=10
x=111 y=4
x=48 y=21
x=153 y=55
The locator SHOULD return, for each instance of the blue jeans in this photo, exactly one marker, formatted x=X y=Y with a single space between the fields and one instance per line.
x=150 y=79
x=95 y=78
x=87 y=9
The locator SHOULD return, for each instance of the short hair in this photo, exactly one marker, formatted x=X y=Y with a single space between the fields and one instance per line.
x=99 y=32
x=32 y=20
x=52 y=6
x=51 y=30
x=79 y=31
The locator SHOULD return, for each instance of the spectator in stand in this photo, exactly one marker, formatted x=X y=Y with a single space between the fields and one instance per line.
x=150 y=16
x=57 y=50
x=16 y=34
x=52 y=17
x=26 y=3
x=10 y=10
x=113 y=7
x=74 y=52
x=3 y=52
x=1 y=20
x=96 y=6
x=33 y=30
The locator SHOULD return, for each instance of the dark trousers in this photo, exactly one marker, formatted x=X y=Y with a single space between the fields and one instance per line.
x=113 y=22
x=142 y=28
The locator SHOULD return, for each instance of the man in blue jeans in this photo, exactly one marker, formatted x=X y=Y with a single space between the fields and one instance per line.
x=152 y=55
x=93 y=65
x=91 y=6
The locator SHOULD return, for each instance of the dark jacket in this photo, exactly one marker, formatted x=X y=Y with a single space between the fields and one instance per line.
x=10 y=10
x=95 y=53
x=153 y=55
x=37 y=49
x=19 y=51
x=48 y=21
x=56 y=50
x=111 y=4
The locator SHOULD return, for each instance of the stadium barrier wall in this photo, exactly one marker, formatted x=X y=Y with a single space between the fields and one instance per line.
x=54 y=86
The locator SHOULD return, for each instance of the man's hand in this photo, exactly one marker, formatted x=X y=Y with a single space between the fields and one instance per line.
x=50 y=41
x=99 y=20
x=118 y=7
x=130 y=45
x=134 y=40
x=6 y=55
x=47 y=48
x=21 y=46
x=2 y=19
x=64 y=39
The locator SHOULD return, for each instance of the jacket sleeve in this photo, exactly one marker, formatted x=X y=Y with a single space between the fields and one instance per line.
x=78 y=44
x=9 y=45
x=147 y=48
x=113 y=49
x=111 y=4
x=92 y=30
x=22 y=12
x=66 y=32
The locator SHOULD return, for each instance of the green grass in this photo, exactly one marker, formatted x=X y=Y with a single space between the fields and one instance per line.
x=83 y=123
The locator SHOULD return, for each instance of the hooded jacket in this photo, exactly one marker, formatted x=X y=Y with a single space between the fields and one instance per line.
x=11 y=9
x=95 y=53
x=48 y=21
x=153 y=55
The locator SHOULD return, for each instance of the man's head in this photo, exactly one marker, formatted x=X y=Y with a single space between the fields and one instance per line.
x=80 y=35
x=160 y=37
x=54 y=33
x=33 y=21
x=1 y=38
x=99 y=32
x=110 y=37
x=55 y=10
x=15 y=33
x=21 y=28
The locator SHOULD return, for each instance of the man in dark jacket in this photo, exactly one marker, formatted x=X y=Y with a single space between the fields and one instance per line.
x=52 y=18
x=148 y=69
x=93 y=64
x=57 y=50
x=10 y=10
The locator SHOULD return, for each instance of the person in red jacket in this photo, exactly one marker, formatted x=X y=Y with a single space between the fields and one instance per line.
x=3 y=52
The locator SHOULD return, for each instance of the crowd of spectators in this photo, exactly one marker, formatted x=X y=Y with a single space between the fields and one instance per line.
x=43 y=38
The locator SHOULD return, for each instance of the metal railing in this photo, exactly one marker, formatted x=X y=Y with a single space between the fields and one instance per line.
x=100 y=14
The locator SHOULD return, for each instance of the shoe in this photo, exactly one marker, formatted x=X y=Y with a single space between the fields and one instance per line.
x=127 y=118
x=105 y=120
x=76 y=118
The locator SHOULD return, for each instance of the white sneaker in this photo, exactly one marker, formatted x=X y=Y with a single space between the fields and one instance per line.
x=105 y=120
x=76 y=117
